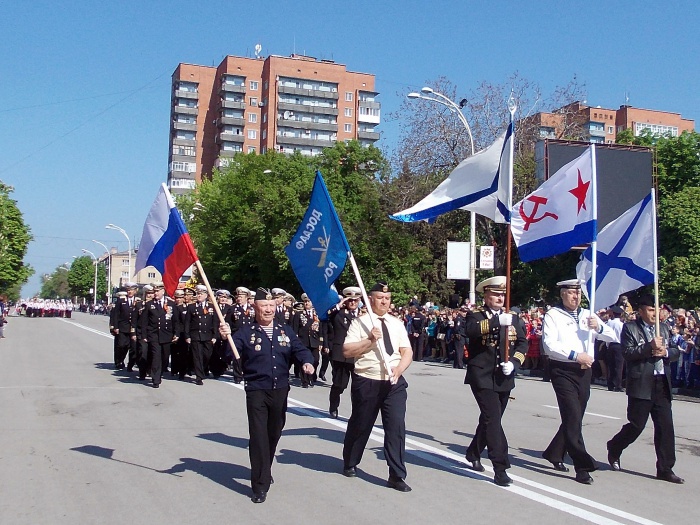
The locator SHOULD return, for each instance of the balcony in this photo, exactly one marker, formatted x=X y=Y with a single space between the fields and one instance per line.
x=192 y=95
x=597 y=132
x=228 y=154
x=183 y=110
x=184 y=142
x=230 y=137
x=185 y=126
x=298 y=124
x=231 y=88
x=368 y=135
x=316 y=93
x=232 y=104
x=316 y=110
x=300 y=141
x=231 y=121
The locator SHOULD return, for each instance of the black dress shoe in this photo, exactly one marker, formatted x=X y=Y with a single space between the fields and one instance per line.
x=322 y=377
x=614 y=462
x=584 y=477
x=350 y=472
x=199 y=382
x=398 y=484
x=502 y=479
x=476 y=465
x=259 y=497
x=670 y=477
x=558 y=465
x=156 y=386
x=333 y=414
x=304 y=386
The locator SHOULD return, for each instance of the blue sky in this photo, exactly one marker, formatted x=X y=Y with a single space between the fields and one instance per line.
x=84 y=125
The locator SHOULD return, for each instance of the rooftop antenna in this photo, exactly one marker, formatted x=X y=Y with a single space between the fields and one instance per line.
x=258 y=48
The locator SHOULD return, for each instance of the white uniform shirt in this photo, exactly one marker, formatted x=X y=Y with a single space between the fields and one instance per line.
x=370 y=364
x=563 y=338
x=616 y=326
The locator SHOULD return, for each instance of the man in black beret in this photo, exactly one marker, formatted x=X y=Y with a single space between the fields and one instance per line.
x=266 y=349
x=648 y=350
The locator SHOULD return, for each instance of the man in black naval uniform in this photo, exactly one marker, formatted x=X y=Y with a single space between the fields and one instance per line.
x=200 y=330
x=180 y=350
x=216 y=364
x=162 y=327
x=122 y=327
x=141 y=329
x=648 y=359
x=283 y=313
x=491 y=374
x=340 y=317
x=306 y=325
x=239 y=316
x=266 y=349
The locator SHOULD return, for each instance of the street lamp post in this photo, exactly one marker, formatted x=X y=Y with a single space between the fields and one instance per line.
x=123 y=232
x=109 y=271
x=430 y=94
x=94 y=290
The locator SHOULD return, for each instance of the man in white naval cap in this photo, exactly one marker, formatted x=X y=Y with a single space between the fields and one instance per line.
x=565 y=339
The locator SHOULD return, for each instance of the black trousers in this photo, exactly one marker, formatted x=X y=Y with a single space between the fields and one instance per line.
x=180 y=357
x=201 y=354
x=417 y=344
x=369 y=397
x=267 y=413
x=615 y=360
x=638 y=412
x=489 y=432
x=122 y=345
x=572 y=386
x=158 y=355
x=341 y=378
x=143 y=358
x=325 y=361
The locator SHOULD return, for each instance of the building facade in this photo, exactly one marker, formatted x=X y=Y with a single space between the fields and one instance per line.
x=599 y=125
x=286 y=104
x=120 y=268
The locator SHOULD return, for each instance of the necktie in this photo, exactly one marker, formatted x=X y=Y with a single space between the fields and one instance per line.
x=387 y=340
x=658 y=362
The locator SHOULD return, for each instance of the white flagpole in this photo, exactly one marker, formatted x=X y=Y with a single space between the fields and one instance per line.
x=372 y=318
x=656 y=260
x=594 y=245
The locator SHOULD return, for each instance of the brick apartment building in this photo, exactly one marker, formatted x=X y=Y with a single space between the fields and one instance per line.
x=601 y=126
x=288 y=104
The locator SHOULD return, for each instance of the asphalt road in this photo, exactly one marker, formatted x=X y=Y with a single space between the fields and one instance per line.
x=82 y=443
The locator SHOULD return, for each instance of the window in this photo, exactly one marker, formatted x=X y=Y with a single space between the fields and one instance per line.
x=253 y=85
x=348 y=112
x=253 y=101
x=251 y=149
x=264 y=134
x=151 y=275
x=252 y=133
x=125 y=262
x=610 y=130
x=183 y=150
x=264 y=117
x=348 y=128
x=252 y=118
x=188 y=167
x=125 y=275
x=348 y=96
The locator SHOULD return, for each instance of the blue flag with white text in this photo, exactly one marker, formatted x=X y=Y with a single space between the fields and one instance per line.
x=319 y=250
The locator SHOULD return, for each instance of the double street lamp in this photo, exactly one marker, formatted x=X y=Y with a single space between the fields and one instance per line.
x=109 y=271
x=123 y=232
x=94 y=290
x=431 y=95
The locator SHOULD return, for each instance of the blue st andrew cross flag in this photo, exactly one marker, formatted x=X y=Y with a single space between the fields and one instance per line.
x=319 y=250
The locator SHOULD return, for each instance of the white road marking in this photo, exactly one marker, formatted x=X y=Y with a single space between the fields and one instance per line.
x=98 y=332
x=587 y=413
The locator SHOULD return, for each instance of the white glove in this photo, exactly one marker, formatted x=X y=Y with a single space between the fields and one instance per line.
x=507 y=368
x=505 y=319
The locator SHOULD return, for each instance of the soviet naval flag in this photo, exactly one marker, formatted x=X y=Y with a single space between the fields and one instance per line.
x=319 y=250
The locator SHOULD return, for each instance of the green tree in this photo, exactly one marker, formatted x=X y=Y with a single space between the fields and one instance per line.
x=15 y=236
x=55 y=285
x=81 y=277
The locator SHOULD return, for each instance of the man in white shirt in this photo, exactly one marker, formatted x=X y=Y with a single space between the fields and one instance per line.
x=614 y=357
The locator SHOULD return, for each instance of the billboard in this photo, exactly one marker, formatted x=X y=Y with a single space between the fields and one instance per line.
x=624 y=173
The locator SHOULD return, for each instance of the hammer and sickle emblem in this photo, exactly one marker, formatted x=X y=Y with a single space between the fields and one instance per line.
x=529 y=219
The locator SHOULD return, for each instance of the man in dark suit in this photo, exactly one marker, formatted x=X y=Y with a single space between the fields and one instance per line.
x=648 y=354
x=416 y=332
x=306 y=325
x=162 y=327
x=122 y=326
x=283 y=313
x=201 y=329
x=340 y=317
x=491 y=370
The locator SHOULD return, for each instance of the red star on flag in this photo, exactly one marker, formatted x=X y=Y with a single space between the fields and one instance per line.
x=580 y=192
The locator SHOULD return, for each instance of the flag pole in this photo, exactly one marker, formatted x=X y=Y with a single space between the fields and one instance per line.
x=594 y=244
x=217 y=309
x=656 y=260
x=372 y=318
x=505 y=343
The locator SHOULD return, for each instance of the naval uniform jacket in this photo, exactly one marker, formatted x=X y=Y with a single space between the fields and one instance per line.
x=200 y=322
x=283 y=316
x=266 y=362
x=239 y=316
x=483 y=331
x=123 y=317
x=162 y=323
x=637 y=350
x=339 y=321
x=307 y=329
x=563 y=338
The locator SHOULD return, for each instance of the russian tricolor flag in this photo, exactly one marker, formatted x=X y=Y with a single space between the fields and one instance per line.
x=165 y=242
